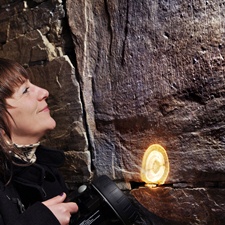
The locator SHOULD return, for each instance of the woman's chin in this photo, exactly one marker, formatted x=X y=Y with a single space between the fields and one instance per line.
x=52 y=124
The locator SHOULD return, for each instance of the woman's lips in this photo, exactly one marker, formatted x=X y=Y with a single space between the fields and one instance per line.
x=45 y=109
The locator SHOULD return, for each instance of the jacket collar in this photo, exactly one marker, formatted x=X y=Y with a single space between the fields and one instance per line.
x=35 y=173
x=50 y=157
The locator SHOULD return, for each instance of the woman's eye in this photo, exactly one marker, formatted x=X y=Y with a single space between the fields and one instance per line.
x=25 y=90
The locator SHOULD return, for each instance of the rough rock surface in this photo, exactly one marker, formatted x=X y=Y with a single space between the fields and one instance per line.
x=157 y=73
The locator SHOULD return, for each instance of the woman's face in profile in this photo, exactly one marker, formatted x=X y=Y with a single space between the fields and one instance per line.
x=30 y=114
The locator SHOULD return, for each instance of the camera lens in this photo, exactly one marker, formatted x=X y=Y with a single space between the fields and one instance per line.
x=116 y=199
x=102 y=203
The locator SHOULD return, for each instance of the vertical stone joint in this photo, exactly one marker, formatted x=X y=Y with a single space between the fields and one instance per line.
x=110 y=25
x=125 y=34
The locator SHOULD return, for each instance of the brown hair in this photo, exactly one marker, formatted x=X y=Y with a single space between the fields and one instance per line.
x=12 y=75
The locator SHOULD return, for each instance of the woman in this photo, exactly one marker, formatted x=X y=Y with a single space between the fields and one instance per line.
x=31 y=189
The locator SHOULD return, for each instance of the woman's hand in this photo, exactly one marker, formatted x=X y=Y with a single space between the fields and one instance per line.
x=61 y=210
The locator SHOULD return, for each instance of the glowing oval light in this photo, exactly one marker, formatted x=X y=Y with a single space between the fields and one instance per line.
x=155 y=165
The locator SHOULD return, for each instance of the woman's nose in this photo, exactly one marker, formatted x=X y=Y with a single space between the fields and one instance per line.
x=42 y=94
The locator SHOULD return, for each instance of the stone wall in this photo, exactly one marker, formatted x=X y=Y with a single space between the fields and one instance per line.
x=124 y=75
x=157 y=70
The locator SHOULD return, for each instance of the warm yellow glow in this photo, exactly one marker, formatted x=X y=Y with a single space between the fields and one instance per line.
x=155 y=165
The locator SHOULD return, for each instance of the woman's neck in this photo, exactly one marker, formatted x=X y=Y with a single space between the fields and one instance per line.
x=25 y=141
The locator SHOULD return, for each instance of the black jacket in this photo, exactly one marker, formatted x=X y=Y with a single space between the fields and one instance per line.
x=20 y=201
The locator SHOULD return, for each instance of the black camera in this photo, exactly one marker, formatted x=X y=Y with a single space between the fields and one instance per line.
x=102 y=203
